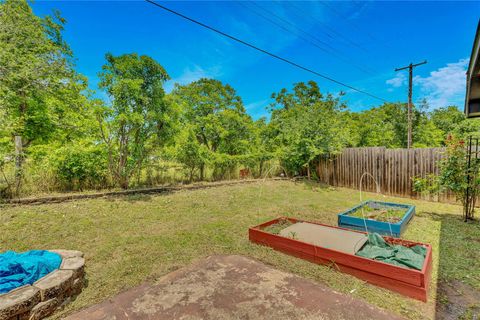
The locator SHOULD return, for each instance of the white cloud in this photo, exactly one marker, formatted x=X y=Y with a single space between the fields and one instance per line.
x=192 y=74
x=399 y=80
x=442 y=87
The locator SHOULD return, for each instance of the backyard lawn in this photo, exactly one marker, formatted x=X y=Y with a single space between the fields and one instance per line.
x=132 y=239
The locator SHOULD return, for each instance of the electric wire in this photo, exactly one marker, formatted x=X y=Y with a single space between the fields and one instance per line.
x=332 y=30
x=332 y=51
x=273 y=55
x=356 y=26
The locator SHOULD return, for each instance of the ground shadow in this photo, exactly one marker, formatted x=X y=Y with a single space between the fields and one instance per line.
x=458 y=282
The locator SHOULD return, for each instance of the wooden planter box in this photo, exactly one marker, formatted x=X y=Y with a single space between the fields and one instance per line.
x=345 y=219
x=409 y=282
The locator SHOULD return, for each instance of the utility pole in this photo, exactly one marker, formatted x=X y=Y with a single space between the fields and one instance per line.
x=409 y=112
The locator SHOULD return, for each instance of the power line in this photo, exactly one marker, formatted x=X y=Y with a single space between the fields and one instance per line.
x=265 y=51
x=282 y=27
x=304 y=38
x=289 y=23
x=347 y=19
x=338 y=34
x=332 y=50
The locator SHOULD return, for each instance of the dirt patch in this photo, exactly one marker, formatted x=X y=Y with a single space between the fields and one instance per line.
x=457 y=300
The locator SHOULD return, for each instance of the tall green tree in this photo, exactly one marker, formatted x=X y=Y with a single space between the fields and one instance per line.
x=308 y=124
x=189 y=152
x=373 y=127
x=450 y=120
x=216 y=115
x=263 y=146
x=387 y=125
x=139 y=118
x=447 y=119
x=37 y=79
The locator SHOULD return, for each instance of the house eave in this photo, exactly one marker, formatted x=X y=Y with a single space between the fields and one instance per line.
x=473 y=78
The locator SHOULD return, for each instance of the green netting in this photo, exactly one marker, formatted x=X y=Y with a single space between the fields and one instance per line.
x=376 y=248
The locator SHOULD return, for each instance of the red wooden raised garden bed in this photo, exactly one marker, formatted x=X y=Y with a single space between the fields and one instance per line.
x=409 y=282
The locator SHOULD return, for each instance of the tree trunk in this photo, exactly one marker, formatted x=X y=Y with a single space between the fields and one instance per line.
x=123 y=182
x=18 y=163
x=308 y=172
x=139 y=175
x=202 y=172
x=192 y=171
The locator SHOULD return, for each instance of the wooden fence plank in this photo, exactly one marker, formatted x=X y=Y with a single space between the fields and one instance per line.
x=393 y=169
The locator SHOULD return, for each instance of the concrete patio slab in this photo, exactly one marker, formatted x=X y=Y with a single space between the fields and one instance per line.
x=231 y=287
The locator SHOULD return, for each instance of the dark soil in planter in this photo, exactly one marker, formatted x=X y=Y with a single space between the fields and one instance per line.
x=380 y=213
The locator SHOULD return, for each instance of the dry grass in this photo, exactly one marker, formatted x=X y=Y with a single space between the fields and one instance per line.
x=134 y=239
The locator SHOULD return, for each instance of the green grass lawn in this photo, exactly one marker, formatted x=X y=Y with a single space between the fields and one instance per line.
x=130 y=240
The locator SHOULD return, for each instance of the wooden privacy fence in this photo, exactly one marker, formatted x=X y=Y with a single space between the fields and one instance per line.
x=393 y=169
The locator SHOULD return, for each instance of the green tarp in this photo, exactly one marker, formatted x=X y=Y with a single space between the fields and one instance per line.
x=376 y=248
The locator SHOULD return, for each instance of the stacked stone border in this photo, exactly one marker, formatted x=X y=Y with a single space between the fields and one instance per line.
x=42 y=298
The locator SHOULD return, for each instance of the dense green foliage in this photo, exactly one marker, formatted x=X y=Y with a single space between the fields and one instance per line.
x=139 y=117
x=55 y=136
x=457 y=175
x=213 y=116
x=80 y=166
x=39 y=88
x=307 y=124
x=386 y=126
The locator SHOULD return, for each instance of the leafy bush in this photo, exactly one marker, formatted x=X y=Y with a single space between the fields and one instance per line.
x=190 y=152
x=80 y=167
x=76 y=166
x=456 y=175
x=227 y=166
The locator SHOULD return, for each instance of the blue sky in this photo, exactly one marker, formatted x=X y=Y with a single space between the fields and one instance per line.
x=359 y=43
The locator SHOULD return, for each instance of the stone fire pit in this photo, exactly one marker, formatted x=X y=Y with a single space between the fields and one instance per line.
x=43 y=297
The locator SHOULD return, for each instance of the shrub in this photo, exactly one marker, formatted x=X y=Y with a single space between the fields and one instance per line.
x=456 y=175
x=79 y=167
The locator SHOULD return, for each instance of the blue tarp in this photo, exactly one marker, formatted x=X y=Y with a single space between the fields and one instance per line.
x=18 y=269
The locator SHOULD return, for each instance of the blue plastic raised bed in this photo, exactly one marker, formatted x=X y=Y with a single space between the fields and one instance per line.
x=346 y=220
